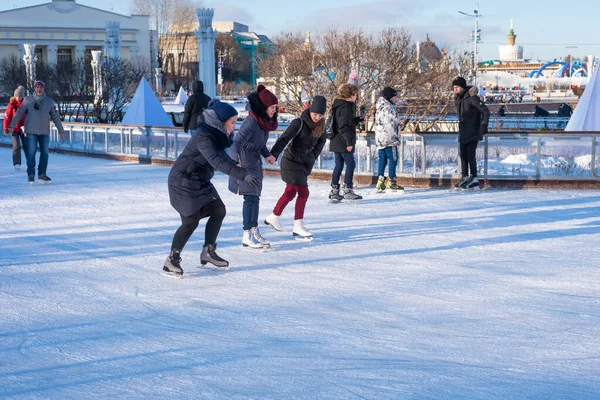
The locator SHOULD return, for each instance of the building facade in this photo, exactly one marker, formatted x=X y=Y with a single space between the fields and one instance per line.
x=63 y=30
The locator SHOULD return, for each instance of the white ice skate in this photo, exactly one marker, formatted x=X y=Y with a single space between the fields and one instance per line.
x=300 y=232
x=264 y=242
x=249 y=240
x=273 y=221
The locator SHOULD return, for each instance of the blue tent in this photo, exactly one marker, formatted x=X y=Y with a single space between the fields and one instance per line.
x=145 y=109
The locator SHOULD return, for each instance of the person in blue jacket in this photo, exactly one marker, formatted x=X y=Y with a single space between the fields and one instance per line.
x=249 y=145
x=190 y=190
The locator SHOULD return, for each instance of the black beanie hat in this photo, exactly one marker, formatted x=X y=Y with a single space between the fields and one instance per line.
x=459 y=81
x=319 y=105
x=389 y=92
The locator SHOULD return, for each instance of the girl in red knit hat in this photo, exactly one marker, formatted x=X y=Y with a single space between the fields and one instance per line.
x=248 y=146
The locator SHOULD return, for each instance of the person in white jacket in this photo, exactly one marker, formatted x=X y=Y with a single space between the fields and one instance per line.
x=387 y=126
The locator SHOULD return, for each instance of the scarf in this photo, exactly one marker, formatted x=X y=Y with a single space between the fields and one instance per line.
x=267 y=126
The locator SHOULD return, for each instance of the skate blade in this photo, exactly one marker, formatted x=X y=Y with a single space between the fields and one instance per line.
x=303 y=238
x=213 y=267
x=255 y=249
x=169 y=274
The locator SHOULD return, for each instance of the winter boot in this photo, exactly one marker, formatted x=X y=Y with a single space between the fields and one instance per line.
x=334 y=195
x=472 y=184
x=172 y=263
x=18 y=167
x=209 y=255
x=391 y=184
x=43 y=178
x=256 y=232
x=249 y=240
x=461 y=184
x=300 y=231
x=380 y=184
x=273 y=221
x=350 y=195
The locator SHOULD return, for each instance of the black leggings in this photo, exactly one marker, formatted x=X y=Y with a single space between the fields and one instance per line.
x=467 y=158
x=215 y=210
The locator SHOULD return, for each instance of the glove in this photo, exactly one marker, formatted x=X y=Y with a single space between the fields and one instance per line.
x=185 y=130
x=483 y=129
x=6 y=132
x=252 y=180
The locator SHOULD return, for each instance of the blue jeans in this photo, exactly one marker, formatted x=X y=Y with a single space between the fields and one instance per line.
x=32 y=144
x=250 y=211
x=340 y=160
x=388 y=155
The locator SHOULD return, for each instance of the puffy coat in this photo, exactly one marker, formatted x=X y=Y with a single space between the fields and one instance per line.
x=37 y=121
x=299 y=157
x=387 y=123
x=249 y=145
x=13 y=106
x=472 y=113
x=194 y=106
x=344 y=126
x=189 y=180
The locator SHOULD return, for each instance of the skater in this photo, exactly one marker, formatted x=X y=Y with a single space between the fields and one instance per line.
x=191 y=192
x=473 y=118
x=18 y=136
x=387 y=126
x=194 y=106
x=39 y=108
x=343 y=142
x=307 y=138
x=248 y=146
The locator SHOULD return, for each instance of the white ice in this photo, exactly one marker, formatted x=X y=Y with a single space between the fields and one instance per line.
x=429 y=294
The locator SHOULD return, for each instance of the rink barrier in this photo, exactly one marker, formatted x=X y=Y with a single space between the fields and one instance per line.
x=505 y=159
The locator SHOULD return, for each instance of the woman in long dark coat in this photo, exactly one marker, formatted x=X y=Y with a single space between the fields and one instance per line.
x=190 y=190
x=249 y=145
x=307 y=138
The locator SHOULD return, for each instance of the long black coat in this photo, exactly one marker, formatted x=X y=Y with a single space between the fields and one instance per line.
x=299 y=157
x=194 y=106
x=249 y=144
x=189 y=180
x=472 y=113
x=344 y=126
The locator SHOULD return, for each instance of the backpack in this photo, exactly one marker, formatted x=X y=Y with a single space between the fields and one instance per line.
x=329 y=132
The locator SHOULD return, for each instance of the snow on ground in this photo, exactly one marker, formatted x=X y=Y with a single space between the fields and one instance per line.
x=431 y=294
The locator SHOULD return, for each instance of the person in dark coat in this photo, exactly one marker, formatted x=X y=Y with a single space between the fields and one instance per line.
x=306 y=140
x=540 y=112
x=501 y=111
x=19 y=140
x=191 y=192
x=473 y=119
x=249 y=145
x=343 y=142
x=194 y=106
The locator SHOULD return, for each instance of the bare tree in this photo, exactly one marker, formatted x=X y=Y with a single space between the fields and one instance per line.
x=12 y=74
x=236 y=64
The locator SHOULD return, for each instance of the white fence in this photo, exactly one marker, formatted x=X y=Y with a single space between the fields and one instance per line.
x=538 y=155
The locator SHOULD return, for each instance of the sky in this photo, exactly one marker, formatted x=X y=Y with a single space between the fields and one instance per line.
x=544 y=28
x=430 y=294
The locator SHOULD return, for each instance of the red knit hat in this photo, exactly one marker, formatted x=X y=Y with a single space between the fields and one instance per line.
x=266 y=97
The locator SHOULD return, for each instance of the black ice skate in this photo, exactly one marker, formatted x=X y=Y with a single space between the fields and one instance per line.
x=209 y=255
x=43 y=178
x=172 y=264
x=473 y=184
x=30 y=179
x=461 y=184
x=334 y=195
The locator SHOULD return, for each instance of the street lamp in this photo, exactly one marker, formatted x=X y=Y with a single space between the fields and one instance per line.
x=476 y=38
x=571 y=64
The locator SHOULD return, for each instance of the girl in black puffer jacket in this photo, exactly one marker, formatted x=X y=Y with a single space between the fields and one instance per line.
x=307 y=138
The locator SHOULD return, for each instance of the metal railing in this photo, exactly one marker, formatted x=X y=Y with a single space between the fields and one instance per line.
x=501 y=155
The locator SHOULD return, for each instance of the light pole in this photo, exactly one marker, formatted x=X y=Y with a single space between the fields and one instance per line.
x=571 y=64
x=476 y=38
